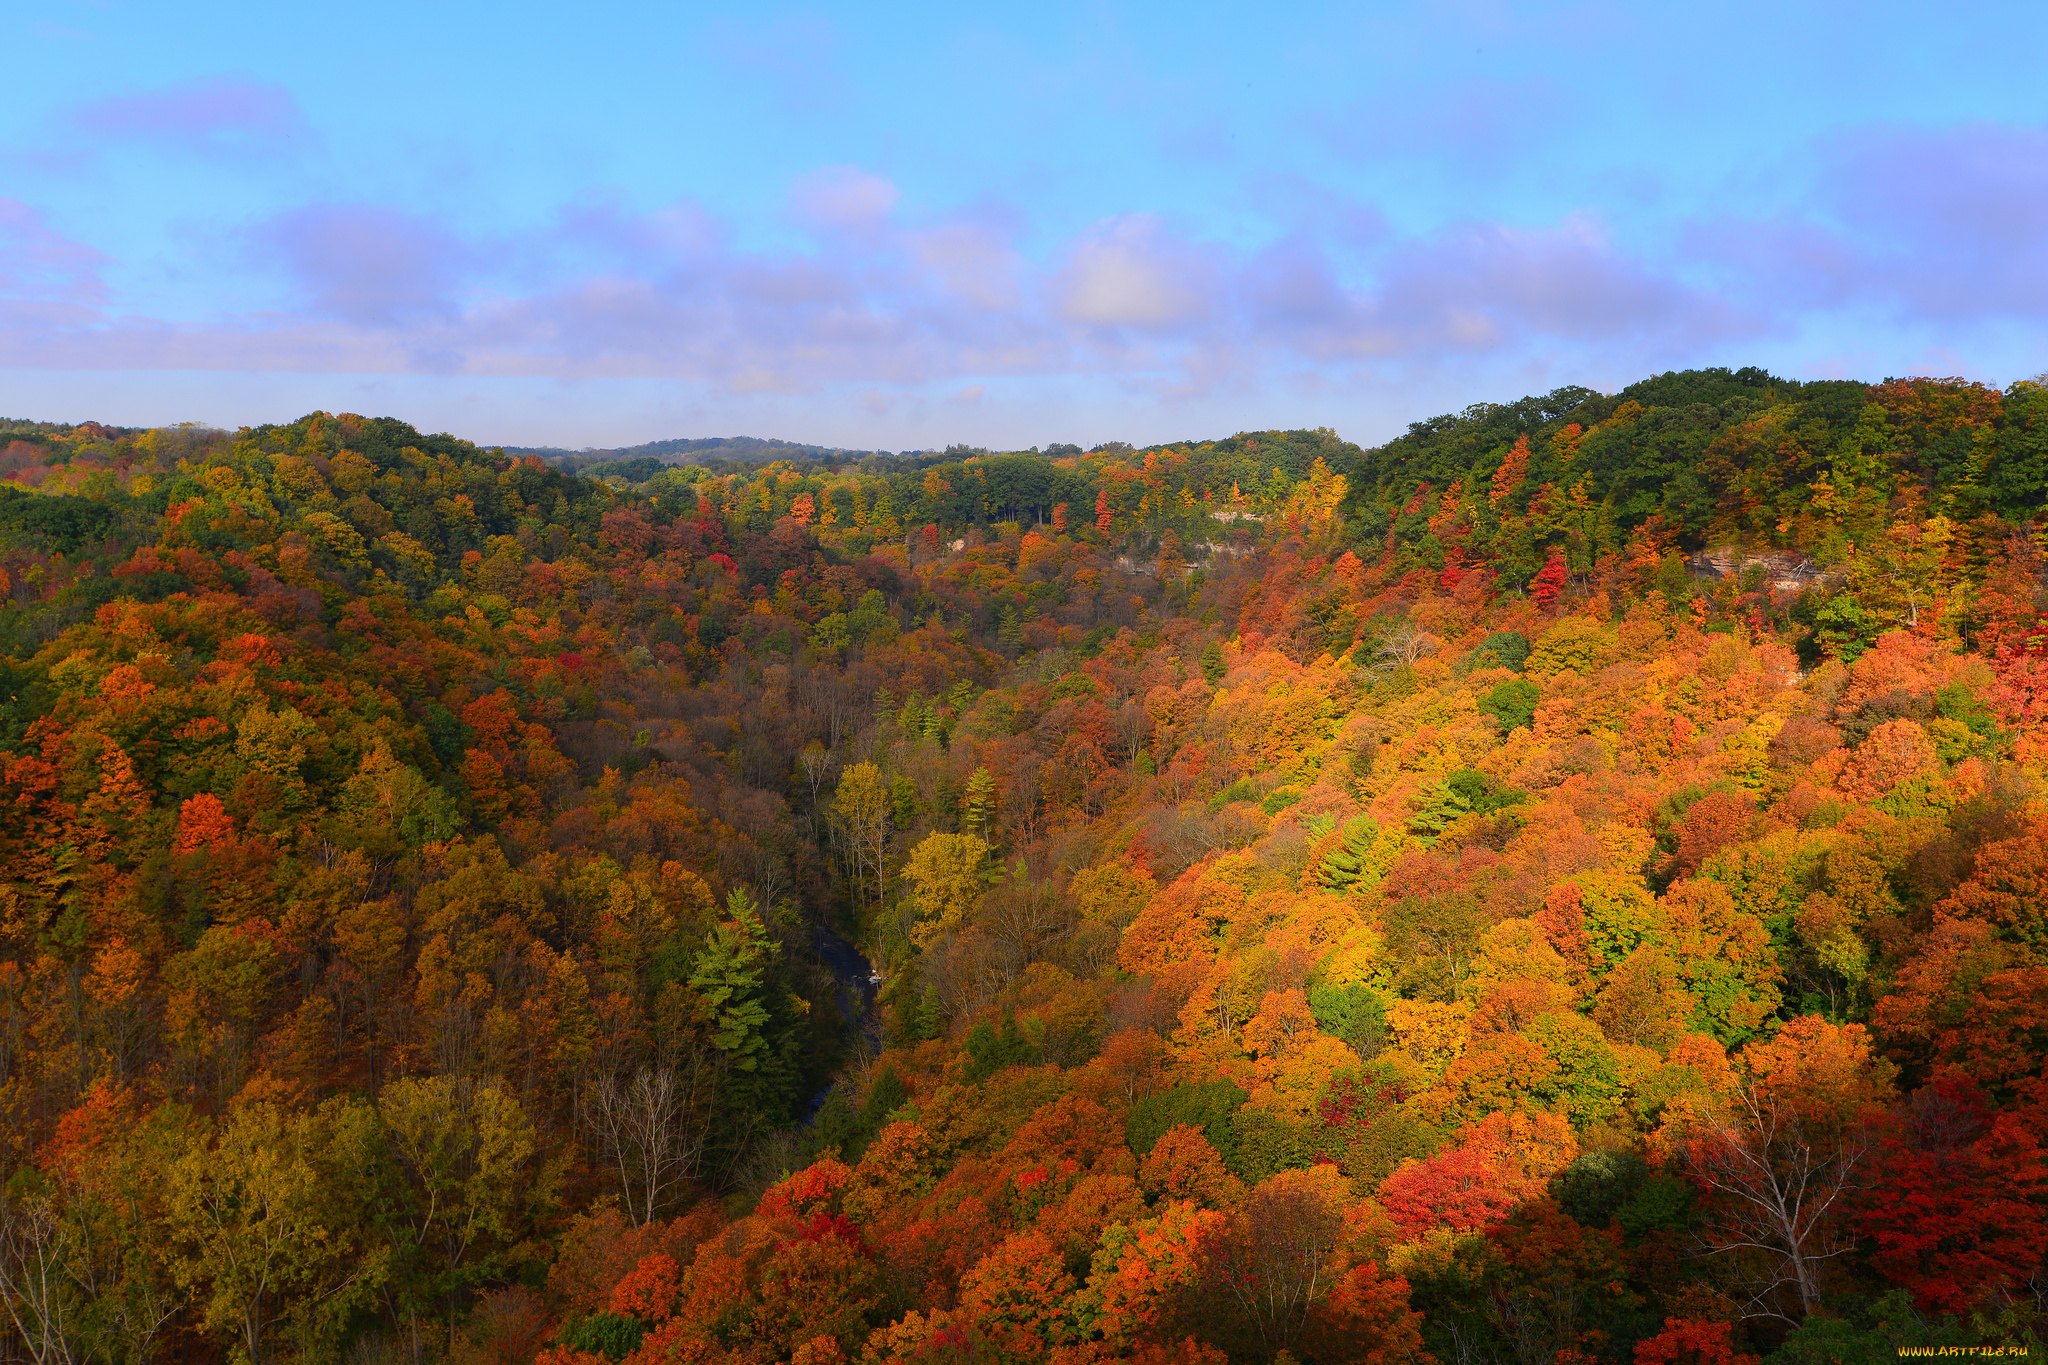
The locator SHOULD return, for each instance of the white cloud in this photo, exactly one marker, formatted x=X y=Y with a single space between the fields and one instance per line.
x=844 y=197
x=1129 y=272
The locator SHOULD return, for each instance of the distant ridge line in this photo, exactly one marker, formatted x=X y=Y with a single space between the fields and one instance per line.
x=684 y=450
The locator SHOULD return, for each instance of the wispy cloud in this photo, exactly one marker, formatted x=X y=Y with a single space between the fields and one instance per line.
x=1947 y=227
x=1132 y=272
x=1953 y=224
x=1941 y=227
x=48 y=283
x=370 y=264
x=845 y=199
x=1464 y=124
x=215 y=116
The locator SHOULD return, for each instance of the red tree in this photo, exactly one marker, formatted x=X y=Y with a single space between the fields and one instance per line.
x=1685 y=1342
x=1459 y=1189
x=1544 y=589
x=1956 y=1213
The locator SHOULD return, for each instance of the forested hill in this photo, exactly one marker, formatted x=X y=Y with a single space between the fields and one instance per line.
x=1565 y=885
x=636 y=463
x=1705 y=456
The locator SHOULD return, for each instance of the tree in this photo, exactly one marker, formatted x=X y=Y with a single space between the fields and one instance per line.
x=1782 y=1156
x=260 y=1214
x=1512 y=704
x=1183 y=1166
x=35 y=1278
x=369 y=937
x=1643 y=1002
x=1365 y=1320
x=1724 y=956
x=1709 y=825
x=727 y=978
x=459 y=1189
x=1556 y=1289
x=2008 y=889
x=1549 y=582
x=84 y=1266
x=822 y=1284
x=1459 y=1189
x=862 y=808
x=1266 y=1266
x=1144 y=1285
x=655 y=1127
x=1905 y=573
x=978 y=804
x=1509 y=473
x=1022 y=1285
x=815 y=761
x=946 y=874
x=1955 y=1211
x=1687 y=1342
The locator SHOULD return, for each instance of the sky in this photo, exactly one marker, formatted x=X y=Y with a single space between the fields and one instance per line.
x=905 y=226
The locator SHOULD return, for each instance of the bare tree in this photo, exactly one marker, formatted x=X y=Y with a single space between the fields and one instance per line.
x=1406 y=643
x=814 y=761
x=34 y=1282
x=1133 y=729
x=966 y=970
x=760 y=857
x=1266 y=1266
x=1025 y=916
x=653 y=1128
x=1780 y=1179
x=79 y=1282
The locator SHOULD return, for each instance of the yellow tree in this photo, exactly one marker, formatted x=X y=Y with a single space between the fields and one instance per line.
x=260 y=1218
x=862 y=809
x=945 y=875
x=460 y=1184
x=1906 y=572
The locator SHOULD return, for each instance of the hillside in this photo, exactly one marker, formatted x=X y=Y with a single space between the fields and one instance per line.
x=637 y=463
x=1565 y=885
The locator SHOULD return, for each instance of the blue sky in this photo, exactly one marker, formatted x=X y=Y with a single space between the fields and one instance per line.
x=902 y=226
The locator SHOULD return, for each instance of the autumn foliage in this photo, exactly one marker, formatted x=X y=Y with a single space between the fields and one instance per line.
x=1565 y=886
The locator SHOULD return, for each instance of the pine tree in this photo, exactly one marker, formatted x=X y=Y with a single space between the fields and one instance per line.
x=979 y=803
x=1344 y=866
x=727 y=976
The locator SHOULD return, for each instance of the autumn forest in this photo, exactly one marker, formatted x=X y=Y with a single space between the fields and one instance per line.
x=1567 y=886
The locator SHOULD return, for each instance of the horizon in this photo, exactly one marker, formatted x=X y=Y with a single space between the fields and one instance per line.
x=1087 y=447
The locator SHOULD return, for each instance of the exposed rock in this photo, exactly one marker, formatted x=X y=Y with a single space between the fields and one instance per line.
x=1786 y=572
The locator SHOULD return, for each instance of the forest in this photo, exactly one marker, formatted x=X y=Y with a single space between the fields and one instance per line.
x=1566 y=886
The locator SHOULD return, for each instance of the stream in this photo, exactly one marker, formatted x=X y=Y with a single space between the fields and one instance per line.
x=859 y=983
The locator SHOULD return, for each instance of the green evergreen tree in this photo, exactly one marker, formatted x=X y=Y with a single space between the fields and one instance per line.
x=727 y=975
x=1343 y=867
x=978 y=806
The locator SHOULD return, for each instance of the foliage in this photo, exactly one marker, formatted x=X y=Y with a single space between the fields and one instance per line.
x=1562 y=886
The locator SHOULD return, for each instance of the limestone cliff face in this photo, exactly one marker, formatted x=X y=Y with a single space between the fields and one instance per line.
x=1786 y=572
